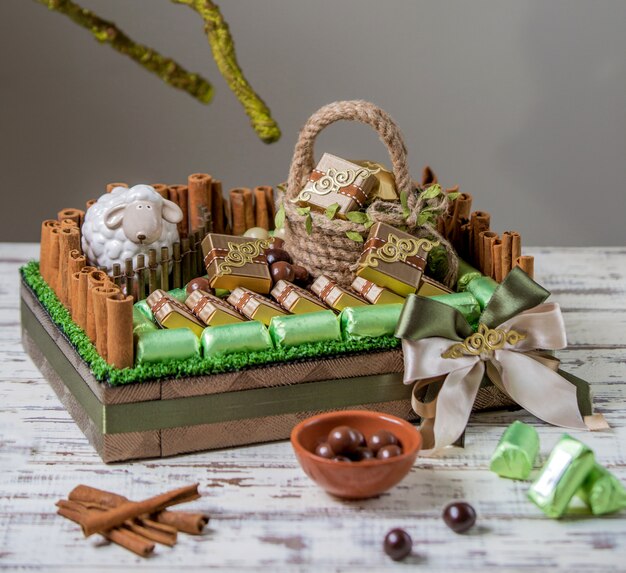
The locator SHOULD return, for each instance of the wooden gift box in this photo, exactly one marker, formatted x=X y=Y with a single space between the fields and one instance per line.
x=173 y=416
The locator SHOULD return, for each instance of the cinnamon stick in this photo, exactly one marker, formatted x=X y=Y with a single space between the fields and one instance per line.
x=479 y=222
x=527 y=264
x=199 y=196
x=192 y=523
x=100 y=295
x=488 y=238
x=516 y=245
x=111 y=186
x=248 y=199
x=74 y=289
x=69 y=240
x=271 y=205
x=77 y=215
x=131 y=509
x=81 y=307
x=53 y=260
x=462 y=211
x=161 y=189
x=428 y=177
x=180 y=192
x=261 y=213
x=89 y=203
x=238 y=211
x=496 y=256
x=95 y=279
x=120 y=331
x=228 y=218
x=507 y=253
x=217 y=207
x=45 y=247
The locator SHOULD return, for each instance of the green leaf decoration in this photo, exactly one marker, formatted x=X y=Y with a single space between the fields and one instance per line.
x=453 y=196
x=308 y=224
x=431 y=192
x=282 y=188
x=331 y=211
x=425 y=216
x=357 y=217
x=279 y=218
x=303 y=210
x=369 y=224
x=404 y=201
x=354 y=236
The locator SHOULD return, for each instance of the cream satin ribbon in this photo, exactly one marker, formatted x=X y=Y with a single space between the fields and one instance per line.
x=516 y=369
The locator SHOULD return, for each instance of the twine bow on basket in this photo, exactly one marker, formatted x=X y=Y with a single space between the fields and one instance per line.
x=327 y=249
x=444 y=356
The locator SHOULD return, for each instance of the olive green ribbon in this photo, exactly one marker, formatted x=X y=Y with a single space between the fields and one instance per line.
x=427 y=324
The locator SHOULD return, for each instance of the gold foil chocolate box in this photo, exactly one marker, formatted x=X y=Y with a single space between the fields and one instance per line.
x=212 y=310
x=254 y=306
x=295 y=299
x=169 y=313
x=336 y=180
x=335 y=296
x=394 y=259
x=375 y=294
x=233 y=262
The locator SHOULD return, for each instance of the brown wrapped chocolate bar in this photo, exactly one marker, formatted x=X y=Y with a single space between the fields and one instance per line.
x=169 y=313
x=211 y=310
x=296 y=299
x=254 y=306
x=336 y=180
x=375 y=294
x=233 y=262
x=335 y=296
x=394 y=259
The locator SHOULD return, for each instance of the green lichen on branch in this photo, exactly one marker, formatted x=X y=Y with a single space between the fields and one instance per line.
x=198 y=366
x=107 y=32
x=223 y=48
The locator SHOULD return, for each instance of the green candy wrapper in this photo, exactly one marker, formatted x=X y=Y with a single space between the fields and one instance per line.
x=180 y=294
x=167 y=344
x=144 y=308
x=296 y=329
x=482 y=288
x=371 y=320
x=467 y=273
x=464 y=302
x=249 y=336
x=516 y=452
x=141 y=323
x=562 y=475
x=602 y=491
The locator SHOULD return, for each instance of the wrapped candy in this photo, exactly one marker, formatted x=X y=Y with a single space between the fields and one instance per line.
x=561 y=477
x=516 y=452
x=375 y=294
x=372 y=320
x=467 y=273
x=251 y=336
x=211 y=310
x=602 y=491
x=430 y=287
x=166 y=345
x=335 y=296
x=295 y=299
x=464 y=302
x=299 y=329
x=170 y=313
x=141 y=323
x=255 y=306
x=482 y=288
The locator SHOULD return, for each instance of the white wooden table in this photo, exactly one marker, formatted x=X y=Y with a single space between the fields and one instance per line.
x=267 y=513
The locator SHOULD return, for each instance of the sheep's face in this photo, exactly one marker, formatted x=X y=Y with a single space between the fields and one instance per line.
x=142 y=221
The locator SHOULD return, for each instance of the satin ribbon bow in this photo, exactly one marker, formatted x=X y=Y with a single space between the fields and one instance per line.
x=438 y=342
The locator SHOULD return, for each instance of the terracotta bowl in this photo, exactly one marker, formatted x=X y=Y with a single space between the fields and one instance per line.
x=355 y=480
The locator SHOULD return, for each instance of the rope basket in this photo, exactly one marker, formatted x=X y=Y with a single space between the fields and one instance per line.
x=327 y=249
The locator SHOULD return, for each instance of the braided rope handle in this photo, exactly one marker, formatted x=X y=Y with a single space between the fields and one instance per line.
x=302 y=162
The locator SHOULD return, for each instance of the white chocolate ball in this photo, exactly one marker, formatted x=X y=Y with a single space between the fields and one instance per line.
x=257 y=233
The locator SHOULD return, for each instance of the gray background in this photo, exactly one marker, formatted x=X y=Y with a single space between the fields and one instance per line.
x=521 y=103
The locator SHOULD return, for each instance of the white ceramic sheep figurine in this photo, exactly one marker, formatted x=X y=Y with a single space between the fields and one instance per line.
x=127 y=222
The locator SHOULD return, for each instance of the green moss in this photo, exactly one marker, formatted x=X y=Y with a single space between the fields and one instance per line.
x=181 y=368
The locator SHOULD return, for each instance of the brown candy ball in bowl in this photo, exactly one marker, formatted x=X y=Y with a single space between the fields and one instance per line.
x=366 y=477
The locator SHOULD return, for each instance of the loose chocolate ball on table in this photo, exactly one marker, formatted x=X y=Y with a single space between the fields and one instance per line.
x=387 y=452
x=198 y=283
x=459 y=516
x=344 y=440
x=274 y=255
x=398 y=544
x=324 y=451
x=281 y=270
x=380 y=439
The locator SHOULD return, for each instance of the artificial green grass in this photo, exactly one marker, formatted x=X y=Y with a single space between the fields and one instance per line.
x=196 y=366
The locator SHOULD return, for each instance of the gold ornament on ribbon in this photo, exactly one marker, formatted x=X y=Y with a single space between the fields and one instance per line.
x=240 y=254
x=332 y=181
x=485 y=340
x=397 y=249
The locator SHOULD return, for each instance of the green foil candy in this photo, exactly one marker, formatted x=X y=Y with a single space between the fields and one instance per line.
x=296 y=329
x=180 y=294
x=249 y=336
x=561 y=477
x=368 y=321
x=464 y=302
x=141 y=323
x=602 y=491
x=167 y=344
x=516 y=452
x=143 y=307
x=482 y=288
x=467 y=273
